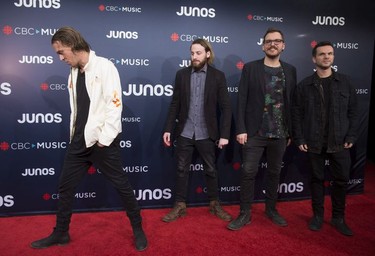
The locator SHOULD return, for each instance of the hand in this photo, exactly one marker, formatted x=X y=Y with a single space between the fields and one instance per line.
x=242 y=138
x=222 y=143
x=303 y=147
x=167 y=139
x=99 y=144
x=348 y=145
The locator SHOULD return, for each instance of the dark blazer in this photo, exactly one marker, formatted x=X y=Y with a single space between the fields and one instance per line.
x=251 y=93
x=216 y=97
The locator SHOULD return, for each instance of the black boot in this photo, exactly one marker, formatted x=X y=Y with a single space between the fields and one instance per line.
x=56 y=238
x=243 y=219
x=140 y=239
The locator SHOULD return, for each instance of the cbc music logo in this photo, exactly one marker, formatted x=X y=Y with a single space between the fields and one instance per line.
x=45 y=4
x=5 y=88
x=5 y=146
x=131 y=62
x=190 y=38
x=26 y=31
x=131 y=119
x=6 y=201
x=196 y=12
x=123 y=9
x=78 y=195
x=255 y=17
x=340 y=45
x=53 y=87
x=329 y=21
x=240 y=65
x=157 y=90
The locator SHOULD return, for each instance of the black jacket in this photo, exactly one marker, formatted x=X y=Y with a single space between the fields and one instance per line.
x=216 y=97
x=307 y=114
x=251 y=93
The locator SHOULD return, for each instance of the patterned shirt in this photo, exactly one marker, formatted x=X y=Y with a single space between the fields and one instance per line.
x=273 y=125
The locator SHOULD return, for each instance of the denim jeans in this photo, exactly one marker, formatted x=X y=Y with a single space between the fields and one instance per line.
x=76 y=164
x=184 y=152
x=339 y=166
x=252 y=152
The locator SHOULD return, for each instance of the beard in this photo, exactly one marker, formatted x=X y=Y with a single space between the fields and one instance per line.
x=276 y=53
x=199 y=65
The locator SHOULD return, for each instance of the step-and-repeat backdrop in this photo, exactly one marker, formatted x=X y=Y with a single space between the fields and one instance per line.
x=149 y=41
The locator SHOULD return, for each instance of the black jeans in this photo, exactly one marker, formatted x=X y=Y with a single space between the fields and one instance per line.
x=184 y=151
x=76 y=164
x=252 y=152
x=339 y=165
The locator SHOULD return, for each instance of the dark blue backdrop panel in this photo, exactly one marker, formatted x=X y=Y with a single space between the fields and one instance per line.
x=148 y=42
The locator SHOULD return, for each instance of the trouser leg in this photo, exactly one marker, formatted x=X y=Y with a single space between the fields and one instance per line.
x=74 y=168
x=340 y=172
x=317 y=163
x=206 y=150
x=252 y=151
x=275 y=152
x=108 y=160
x=184 y=153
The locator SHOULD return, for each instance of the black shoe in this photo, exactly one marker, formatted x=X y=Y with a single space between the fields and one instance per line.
x=243 y=219
x=140 y=239
x=56 y=238
x=276 y=218
x=316 y=223
x=341 y=226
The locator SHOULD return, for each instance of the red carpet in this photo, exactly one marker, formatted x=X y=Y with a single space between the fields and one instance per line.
x=199 y=233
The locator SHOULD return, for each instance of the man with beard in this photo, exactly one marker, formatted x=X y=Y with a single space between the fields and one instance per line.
x=324 y=115
x=199 y=91
x=263 y=125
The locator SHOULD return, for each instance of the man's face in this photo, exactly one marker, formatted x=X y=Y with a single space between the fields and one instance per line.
x=324 y=57
x=198 y=56
x=273 y=44
x=65 y=54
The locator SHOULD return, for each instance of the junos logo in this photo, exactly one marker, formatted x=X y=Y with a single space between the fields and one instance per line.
x=36 y=118
x=38 y=172
x=122 y=34
x=6 y=201
x=44 y=4
x=286 y=188
x=125 y=144
x=156 y=194
x=36 y=59
x=5 y=88
x=149 y=90
x=196 y=12
x=196 y=167
x=329 y=21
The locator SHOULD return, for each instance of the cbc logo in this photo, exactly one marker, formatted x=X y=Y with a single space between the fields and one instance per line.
x=6 y=201
x=53 y=87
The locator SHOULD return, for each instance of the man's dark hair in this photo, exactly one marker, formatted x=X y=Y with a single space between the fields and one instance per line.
x=273 y=30
x=68 y=36
x=320 y=44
